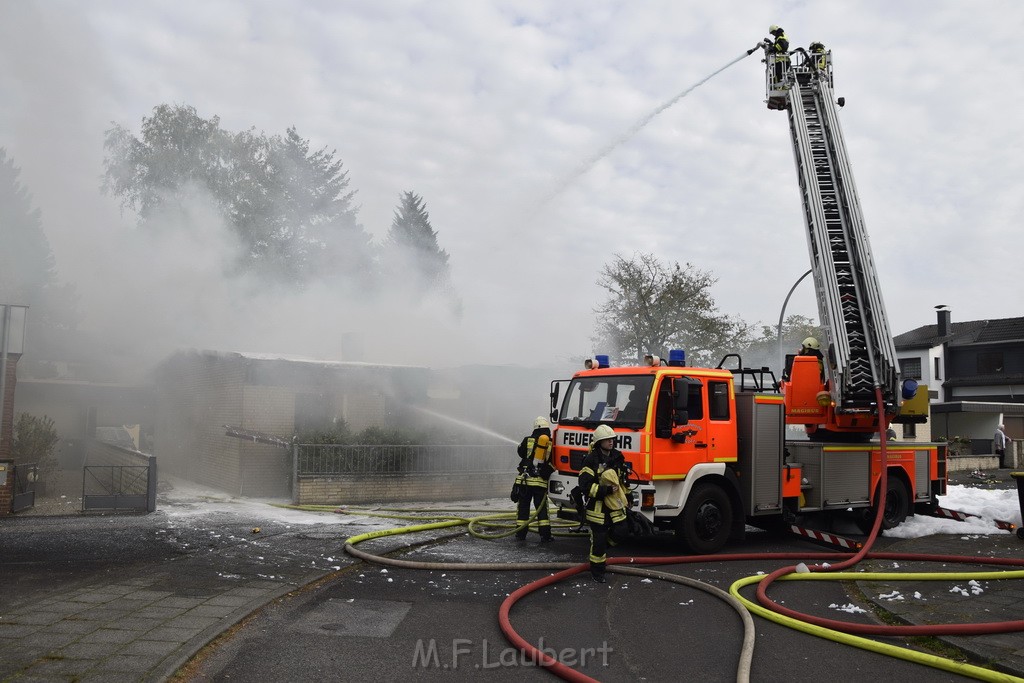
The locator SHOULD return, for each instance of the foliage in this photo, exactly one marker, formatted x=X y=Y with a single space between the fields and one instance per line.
x=290 y=206
x=339 y=433
x=957 y=445
x=411 y=254
x=766 y=350
x=653 y=307
x=28 y=269
x=35 y=440
x=387 y=436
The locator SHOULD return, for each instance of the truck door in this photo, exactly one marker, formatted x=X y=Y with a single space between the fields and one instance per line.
x=721 y=424
x=677 y=446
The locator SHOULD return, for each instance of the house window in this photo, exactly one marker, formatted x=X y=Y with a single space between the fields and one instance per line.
x=990 y=362
x=938 y=368
x=910 y=368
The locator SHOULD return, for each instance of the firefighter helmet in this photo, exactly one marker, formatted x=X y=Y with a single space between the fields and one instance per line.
x=812 y=344
x=816 y=46
x=541 y=423
x=774 y=28
x=603 y=432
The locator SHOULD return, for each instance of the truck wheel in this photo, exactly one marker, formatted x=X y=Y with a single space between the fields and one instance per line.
x=704 y=524
x=897 y=506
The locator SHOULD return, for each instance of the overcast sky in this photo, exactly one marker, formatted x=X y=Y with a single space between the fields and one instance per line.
x=489 y=110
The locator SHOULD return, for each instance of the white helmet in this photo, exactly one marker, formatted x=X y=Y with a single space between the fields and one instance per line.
x=773 y=28
x=541 y=423
x=812 y=343
x=603 y=432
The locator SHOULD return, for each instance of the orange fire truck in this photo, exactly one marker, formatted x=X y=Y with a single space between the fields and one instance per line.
x=708 y=446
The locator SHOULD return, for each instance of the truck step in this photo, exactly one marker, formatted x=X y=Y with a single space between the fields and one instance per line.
x=826 y=538
x=961 y=516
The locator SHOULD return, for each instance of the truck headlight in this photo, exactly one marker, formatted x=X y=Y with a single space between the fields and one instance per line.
x=555 y=487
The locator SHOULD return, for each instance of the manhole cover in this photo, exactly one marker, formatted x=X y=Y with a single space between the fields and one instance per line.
x=367 y=618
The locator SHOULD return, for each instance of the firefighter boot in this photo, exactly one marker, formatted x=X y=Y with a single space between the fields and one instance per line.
x=597 y=572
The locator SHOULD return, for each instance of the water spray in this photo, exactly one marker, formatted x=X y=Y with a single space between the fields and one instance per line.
x=467 y=425
x=634 y=129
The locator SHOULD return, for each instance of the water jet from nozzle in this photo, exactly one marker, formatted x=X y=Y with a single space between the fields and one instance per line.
x=633 y=130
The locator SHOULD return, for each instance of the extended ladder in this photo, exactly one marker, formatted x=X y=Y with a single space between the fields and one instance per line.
x=860 y=352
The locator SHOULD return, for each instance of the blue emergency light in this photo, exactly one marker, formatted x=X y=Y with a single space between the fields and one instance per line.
x=677 y=357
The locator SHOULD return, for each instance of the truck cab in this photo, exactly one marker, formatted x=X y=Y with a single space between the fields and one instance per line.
x=675 y=425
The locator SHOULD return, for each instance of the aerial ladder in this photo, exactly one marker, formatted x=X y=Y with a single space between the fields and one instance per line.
x=858 y=354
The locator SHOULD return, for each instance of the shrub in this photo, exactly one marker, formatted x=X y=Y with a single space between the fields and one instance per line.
x=35 y=440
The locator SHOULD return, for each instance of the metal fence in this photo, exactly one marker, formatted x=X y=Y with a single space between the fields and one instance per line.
x=119 y=487
x=329 y=459
x=25 y=477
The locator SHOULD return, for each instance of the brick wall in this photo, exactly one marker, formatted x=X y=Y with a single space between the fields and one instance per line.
x=7 y=414
x=197 y=394
x=384 y=488
x=7 y=489
x=366 y=409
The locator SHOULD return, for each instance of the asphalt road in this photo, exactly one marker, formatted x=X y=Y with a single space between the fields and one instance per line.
x=374 y=623
x=367 y=622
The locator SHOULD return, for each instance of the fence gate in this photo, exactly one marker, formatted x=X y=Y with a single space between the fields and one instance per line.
x=24 y=486
x=120 y=487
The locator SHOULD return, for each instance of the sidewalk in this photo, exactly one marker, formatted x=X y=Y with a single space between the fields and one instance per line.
x=133 y=597
x=957 y=601
x=130 y=629
x=960 y=601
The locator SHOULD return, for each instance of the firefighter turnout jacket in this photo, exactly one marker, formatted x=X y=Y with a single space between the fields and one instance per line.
x=604 y=506
x=535 y=458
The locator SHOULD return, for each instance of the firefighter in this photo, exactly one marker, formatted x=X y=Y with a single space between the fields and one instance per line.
x=534 y=471
x=811 y=347
x=817 y=59
x=603 y=481
x=778 y=47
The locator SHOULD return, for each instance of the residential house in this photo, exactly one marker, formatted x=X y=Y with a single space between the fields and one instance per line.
x=974 y=374
x=207 y=401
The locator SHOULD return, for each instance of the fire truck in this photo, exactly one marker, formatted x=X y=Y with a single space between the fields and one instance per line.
x=708 y=447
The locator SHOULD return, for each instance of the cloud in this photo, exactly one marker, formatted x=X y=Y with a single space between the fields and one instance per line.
x=484 y=107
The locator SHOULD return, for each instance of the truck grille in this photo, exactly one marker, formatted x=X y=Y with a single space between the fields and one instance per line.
x=576 y=460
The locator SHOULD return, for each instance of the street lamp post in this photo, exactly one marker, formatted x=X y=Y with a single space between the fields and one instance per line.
x=782 y=314
x=12 y=340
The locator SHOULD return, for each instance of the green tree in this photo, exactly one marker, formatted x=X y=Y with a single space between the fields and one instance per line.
x=28 y=269
x=766 y=350
x=411 y=253
x=653 y=307
x=290 y=207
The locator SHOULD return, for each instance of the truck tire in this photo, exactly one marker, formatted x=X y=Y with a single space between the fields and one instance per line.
x=897 y=506
x=704 y=525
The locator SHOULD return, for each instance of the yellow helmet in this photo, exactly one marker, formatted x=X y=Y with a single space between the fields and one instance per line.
x=603 y=432
x=812 y=343
x=773 y=28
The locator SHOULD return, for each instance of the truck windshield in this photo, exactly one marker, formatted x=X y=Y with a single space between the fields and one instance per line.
x=620 y=400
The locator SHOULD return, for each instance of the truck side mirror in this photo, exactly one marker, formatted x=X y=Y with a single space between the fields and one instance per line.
x=680 y=394
x=556 y=388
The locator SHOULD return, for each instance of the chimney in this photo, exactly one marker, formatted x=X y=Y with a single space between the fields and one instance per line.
x=945 y=323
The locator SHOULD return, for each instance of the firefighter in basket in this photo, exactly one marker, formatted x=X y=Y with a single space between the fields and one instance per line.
x=532 y=483
x=603 y=479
